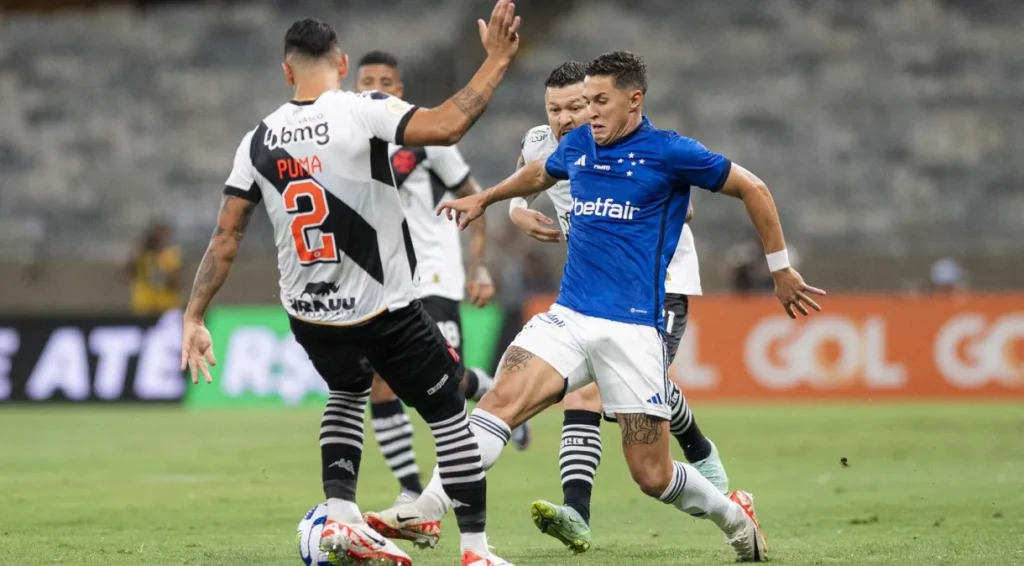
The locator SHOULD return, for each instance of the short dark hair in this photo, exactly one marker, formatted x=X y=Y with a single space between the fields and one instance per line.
x=627 y=70
x=379 y=58
x=568 y=73
x=310 y=37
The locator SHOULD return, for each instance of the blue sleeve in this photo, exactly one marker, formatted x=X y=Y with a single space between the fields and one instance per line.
x=695 y=165
x=556 y=166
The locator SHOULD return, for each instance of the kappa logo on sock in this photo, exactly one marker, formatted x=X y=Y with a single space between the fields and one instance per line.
x=456 y=504
x=345 y=465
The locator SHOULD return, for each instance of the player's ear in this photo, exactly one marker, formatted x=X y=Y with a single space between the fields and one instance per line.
x=636 y=100
x=343 y=66
x=289 y=73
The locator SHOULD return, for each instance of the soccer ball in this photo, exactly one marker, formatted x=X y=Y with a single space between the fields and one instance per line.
x=308 y=537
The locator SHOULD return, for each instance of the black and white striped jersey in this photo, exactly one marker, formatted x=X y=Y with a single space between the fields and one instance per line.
x=323 y=172
x=425 y=176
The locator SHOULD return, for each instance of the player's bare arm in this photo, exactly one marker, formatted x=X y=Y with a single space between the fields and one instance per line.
x=531 y=179
x=534 y=223
x=196 y=345
x=447 y=123
x=689 y=212
x=479 y=284
x=790 y=288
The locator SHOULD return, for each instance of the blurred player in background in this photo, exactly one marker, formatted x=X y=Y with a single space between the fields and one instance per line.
x=154 y=270
x=581 y=448
x=424 y=176
x=320 y=165
x=630 y=185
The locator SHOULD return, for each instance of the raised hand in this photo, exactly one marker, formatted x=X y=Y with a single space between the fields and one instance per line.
x=500 y=36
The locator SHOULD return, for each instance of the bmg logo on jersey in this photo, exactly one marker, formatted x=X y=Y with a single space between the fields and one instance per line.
x=607 y=208
x=319 y=133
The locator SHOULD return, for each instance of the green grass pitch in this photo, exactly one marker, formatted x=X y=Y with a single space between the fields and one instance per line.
x=926 y=484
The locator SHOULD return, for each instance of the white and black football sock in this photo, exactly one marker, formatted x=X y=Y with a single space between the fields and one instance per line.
x=683 y=427
x=578 y=458
x=394 y=432
x=341 y=451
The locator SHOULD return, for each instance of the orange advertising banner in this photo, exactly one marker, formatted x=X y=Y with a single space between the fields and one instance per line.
x=870 y=347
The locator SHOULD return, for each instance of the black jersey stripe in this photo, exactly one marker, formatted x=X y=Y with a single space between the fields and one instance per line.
x=354 y=236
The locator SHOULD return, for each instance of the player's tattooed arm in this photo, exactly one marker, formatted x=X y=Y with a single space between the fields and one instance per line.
x=232 y=223
x=639 y=429
x=447 y=123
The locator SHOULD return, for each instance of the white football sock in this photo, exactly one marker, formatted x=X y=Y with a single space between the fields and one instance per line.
x=492 y=435
x=346 y=512
x=691 y=493
x=477 y=542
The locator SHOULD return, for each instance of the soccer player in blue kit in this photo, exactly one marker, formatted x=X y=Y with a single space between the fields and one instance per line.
x=630 y=185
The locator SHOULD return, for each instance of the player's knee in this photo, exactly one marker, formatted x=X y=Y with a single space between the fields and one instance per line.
x=380 y=392
x=585 y=399
x=443 y=405
x=651 y=474
x=505 y=400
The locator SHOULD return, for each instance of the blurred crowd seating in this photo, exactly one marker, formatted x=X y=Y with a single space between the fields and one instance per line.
x=885 y=127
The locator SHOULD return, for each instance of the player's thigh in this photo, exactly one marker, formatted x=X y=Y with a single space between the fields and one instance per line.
x=587 y=398
x=339 y=361
x=532 y=374
x=380 y=392
x=677 y=314
x=411 y=356
x=447 y=315
x=628 y=363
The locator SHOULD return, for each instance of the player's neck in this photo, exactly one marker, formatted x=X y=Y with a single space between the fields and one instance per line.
x=312 y=86
x=632 y=123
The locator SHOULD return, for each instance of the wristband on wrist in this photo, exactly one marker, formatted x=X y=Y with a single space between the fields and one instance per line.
x=777 y=261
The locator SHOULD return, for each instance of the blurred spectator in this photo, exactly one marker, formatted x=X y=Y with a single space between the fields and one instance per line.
x=154 y=270
x=748 y=268
x=947 y=276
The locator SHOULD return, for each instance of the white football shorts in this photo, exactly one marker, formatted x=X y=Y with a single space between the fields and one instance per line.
x=627 y=361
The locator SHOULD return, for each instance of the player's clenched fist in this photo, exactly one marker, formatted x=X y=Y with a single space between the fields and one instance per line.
x=500 y=35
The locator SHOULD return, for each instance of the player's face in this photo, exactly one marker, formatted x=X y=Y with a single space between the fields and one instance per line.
x=566 y=108
x=610 y=108
x=379 y=77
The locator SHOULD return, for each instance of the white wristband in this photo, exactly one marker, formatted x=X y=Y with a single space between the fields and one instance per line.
x=517 y=202
x=778 y=261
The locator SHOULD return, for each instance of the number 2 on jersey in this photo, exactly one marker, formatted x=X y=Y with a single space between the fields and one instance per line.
x=324 y=250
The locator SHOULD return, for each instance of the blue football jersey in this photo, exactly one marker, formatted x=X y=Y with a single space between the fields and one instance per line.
x=629 y=202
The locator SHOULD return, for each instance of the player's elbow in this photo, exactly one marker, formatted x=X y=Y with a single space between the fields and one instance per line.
x=224 y=248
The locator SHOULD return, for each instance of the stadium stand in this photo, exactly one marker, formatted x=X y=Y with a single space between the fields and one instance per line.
x=888 y=129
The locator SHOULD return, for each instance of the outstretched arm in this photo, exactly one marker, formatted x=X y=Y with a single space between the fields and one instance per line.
x=447 y=123
x=531 y=179
x=789 y=285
